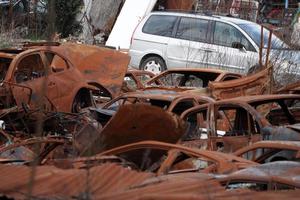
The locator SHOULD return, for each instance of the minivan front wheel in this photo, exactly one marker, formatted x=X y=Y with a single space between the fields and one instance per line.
x=154 y=64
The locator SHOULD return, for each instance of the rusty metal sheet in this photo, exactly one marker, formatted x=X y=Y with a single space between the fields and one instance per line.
x=256 y=84
x=137 y=122
x=179 y=186
x=50 y=182
x=104 y=66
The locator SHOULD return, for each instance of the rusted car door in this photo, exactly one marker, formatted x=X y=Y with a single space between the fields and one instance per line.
x=225 y=129
x=31 y=81
x=61 y=80
x=232 y=127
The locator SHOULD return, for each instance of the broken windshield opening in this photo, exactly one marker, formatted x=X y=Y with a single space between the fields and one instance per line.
x=4 y=65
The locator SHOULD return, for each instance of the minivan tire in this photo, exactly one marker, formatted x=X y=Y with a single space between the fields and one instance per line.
x=153 y=64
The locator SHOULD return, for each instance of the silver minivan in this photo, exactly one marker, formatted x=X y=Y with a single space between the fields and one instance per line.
x=166 y=40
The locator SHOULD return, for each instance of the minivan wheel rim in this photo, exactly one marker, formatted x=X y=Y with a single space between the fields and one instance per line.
x=153 y=67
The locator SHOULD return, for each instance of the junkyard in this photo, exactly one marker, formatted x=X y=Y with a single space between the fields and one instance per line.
x=150 y=99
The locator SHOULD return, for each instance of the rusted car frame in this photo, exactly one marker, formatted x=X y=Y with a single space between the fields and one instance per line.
x=171 y=99
x=270 y=151
x=57 y=78
x=204 y=74
x=177 y=158
x=135 y=80
x=231 y=124
x=31 y=150
x=168 y=100
x=215 y=83
x=280 y=175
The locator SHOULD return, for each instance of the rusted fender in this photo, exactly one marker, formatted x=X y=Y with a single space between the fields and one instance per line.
x=103 y=66
x=255 y=84
x=134 y=123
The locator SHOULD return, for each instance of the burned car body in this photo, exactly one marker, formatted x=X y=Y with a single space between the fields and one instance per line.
x=135 y=80
x=189 y=78
x=228 y=125
x=166 y=158
x=58 y=78
x=280 y=175
x=171 y=101
x=270 y=151
x=215 y=83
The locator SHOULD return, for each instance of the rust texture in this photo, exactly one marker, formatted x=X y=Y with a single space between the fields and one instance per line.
x=59 y=78
x=137 y=122
x=75 y=123
x=54 y=183
x=255 y=84
x=228 y=125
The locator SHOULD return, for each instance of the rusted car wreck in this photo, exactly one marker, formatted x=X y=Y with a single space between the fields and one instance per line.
x=228 y=125
x=59 y=78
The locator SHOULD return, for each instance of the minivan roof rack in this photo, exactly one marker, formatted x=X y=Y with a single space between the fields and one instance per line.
x=205 y=13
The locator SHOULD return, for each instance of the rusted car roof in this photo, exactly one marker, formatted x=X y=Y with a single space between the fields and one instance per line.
x=7 y=55
x=285 y=172
x=293 y=88
x=164 y=95
x=218 y=74
x=283 y=145
x=261 y=98
x=139 y=72
x=224 y=163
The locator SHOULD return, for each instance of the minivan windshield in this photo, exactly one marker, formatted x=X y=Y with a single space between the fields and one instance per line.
x=254 y=30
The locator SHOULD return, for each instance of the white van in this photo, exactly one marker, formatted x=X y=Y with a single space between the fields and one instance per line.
x=166 y=40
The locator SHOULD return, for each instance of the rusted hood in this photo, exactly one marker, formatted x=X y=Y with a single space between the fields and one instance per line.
x=134 y=123
x=102 y=66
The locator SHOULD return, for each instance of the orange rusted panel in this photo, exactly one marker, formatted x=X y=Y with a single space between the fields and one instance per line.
x=103 y=66
x=137 y=122
x=250 y=85
x=181 y=4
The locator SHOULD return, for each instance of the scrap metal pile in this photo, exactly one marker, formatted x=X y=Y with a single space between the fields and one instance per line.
x=75 y=124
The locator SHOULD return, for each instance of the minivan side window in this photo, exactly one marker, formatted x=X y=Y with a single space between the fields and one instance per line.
x=227 y=35
x=192 y=29
x=161 y=25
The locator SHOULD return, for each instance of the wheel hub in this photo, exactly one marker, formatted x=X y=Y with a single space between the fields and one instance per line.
x=153 y=67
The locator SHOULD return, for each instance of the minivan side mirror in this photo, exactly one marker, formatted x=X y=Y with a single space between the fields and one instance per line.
x=238 y=45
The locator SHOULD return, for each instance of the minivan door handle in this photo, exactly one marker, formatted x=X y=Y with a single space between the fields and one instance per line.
x=208 y=50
